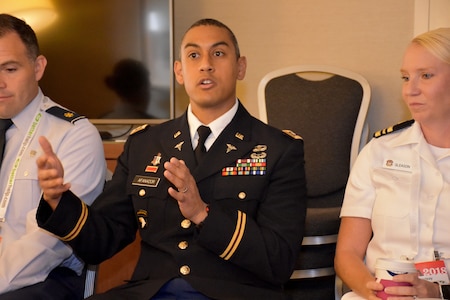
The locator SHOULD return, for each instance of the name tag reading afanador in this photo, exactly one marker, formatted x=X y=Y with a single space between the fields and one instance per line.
x=145 y=181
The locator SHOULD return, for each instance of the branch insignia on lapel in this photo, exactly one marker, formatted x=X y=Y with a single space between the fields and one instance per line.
x=179 y=145
x=230 y=148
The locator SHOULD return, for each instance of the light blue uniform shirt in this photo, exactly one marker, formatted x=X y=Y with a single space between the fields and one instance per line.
x=28 y=253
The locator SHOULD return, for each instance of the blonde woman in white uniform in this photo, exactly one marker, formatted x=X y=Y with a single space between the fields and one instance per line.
x=397 y=202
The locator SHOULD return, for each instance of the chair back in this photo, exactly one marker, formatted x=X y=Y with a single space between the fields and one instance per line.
x=327 y=106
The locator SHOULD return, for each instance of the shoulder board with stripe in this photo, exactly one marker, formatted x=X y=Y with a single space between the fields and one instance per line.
x=394 y=128
x=64 y=114
x=138 y=129
x=292 y=134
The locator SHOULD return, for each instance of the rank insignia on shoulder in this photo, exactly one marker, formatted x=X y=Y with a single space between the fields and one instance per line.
x=64 y=114
x=138 y=129
x=292 y=134
x=394 y=128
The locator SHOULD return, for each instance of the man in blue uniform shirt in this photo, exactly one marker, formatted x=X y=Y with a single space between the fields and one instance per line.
x=33 y=263
x=227 y=225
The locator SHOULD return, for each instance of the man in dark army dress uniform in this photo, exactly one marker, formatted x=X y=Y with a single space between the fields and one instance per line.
x=227 y=225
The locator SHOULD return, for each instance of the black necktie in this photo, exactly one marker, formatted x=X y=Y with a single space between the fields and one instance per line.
x=200 y=150
x=4 y=125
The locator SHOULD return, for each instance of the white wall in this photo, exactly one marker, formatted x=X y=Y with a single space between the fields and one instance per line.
x=431 y=14
x=367 y=37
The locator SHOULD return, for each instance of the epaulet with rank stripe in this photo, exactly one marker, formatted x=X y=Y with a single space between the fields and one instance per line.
x=292 y=134
x=64 y=114
x=393 y=128
x=138 y=129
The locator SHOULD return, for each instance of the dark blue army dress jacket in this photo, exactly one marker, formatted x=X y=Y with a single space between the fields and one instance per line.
x=253 y=179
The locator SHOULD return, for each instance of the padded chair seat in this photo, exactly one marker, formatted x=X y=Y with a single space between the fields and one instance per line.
x=311 y=289
x=319 y=222
x=316 y=257
x=322 y=214
x=322 y=221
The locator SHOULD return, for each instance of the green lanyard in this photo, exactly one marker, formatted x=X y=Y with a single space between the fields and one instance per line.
x=12 y=175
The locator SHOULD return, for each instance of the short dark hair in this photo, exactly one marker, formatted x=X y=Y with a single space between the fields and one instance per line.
x=10 y=23
x=213 y=22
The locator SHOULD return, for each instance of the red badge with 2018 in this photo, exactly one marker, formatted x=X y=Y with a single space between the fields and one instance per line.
x=434 y=271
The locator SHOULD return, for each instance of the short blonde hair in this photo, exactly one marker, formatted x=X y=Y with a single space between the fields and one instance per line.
x=436 y=41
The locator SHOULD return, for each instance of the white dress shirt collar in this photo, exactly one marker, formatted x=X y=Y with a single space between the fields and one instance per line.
x=216 y=126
